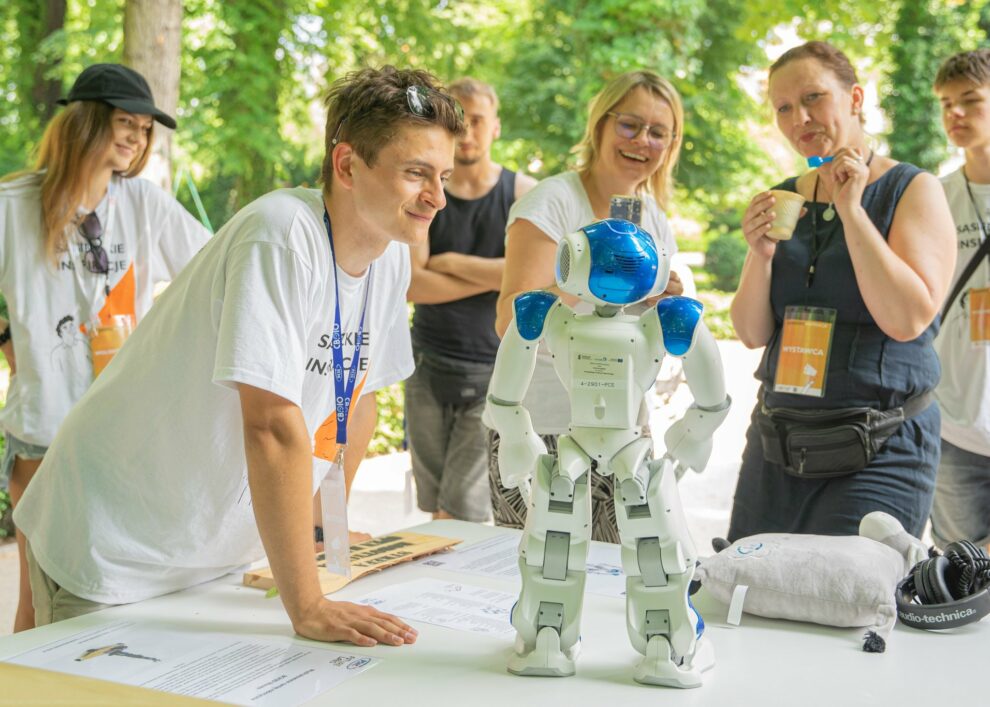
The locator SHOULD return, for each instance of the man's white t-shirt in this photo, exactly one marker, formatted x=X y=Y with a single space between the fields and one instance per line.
x=144 y=490
x=557 y=206
x=148 y=237
x=964 y=391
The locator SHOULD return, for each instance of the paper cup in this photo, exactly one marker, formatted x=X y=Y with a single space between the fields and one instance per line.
x=787 y=207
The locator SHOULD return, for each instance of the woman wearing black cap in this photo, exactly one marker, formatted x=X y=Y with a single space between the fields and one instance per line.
x=82 y=245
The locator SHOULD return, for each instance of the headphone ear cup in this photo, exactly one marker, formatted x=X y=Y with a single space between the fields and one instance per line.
x=920 y=575
x=937 y=584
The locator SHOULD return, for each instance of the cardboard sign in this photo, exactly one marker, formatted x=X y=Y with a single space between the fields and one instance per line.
x=369 y=556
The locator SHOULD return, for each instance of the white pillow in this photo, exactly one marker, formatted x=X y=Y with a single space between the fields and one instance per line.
x=830 y=580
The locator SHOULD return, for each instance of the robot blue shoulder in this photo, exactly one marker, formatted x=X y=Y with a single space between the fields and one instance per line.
x=679 y=316
x=531 y=312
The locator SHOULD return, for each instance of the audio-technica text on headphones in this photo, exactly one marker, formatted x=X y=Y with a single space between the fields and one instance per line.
x=948 y=590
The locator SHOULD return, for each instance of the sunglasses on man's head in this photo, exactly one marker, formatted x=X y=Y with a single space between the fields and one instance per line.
x=95 y=258
x=420 y=101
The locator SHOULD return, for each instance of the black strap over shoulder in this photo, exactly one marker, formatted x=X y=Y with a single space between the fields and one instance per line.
x=974 y=263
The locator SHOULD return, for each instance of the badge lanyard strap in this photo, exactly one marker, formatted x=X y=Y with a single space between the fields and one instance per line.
x=343 y=390
x=976 y=209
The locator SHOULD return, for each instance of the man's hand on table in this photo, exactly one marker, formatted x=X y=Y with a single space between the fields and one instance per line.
x=353 y=623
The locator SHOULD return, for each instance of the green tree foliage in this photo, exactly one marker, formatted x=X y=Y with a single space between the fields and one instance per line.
x=926 y=33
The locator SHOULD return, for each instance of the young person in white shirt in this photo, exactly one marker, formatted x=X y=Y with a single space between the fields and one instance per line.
x=961 y=510
x=215 y=462
x=82 y=245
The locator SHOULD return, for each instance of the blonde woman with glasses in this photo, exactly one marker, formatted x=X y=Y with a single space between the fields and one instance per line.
x=630 y=147
x=82 y=245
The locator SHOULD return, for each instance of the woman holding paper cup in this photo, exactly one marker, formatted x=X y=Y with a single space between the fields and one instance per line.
x=82 y=245
x=846 y=307
x=631 y=143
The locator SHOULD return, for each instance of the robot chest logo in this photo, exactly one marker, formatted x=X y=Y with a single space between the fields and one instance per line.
x=599 y=365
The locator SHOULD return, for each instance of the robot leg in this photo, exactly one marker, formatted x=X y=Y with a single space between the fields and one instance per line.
x=659 y=560
x=552 y=563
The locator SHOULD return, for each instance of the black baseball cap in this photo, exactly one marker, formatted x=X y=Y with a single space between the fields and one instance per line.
x=118 y=86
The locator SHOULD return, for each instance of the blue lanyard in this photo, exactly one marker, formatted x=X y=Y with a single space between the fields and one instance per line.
x=343 y=390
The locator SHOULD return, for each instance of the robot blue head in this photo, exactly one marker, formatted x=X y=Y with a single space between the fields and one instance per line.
x=612 y=262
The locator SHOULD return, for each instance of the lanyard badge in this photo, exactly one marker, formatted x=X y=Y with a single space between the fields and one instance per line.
x=979 y=316
x=805 y=344
x=333 y=489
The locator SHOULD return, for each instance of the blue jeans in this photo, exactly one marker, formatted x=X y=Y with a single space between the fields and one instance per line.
x=17 y=448
x=962 y=497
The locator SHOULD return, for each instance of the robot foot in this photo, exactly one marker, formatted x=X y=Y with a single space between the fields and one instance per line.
x=546 y=658
x=657 y=668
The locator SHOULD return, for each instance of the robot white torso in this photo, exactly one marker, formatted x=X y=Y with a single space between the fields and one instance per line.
x=607 y=360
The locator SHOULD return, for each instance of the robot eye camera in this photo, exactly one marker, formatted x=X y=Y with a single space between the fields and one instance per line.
x=612 y=262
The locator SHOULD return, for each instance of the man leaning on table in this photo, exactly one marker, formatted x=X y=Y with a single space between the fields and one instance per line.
x=199 y=448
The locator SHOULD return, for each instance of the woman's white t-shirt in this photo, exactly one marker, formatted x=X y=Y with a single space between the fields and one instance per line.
x=557 y=206
x=148 y=237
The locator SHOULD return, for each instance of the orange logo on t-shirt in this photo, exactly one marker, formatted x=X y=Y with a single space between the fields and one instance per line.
x=325 y=441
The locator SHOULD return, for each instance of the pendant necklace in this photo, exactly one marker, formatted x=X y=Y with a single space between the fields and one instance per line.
x=827 y=215
x=829 y=212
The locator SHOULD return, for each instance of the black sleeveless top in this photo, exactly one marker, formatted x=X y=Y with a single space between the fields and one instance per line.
x=866 y=367
x=465 y=329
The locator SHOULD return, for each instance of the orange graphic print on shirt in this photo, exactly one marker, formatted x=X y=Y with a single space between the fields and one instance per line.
x=325 y=441
x=117 y=320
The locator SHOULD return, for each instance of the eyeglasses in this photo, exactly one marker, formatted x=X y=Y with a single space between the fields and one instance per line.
x=630 y=127
x=420 y=101
x=95 y=259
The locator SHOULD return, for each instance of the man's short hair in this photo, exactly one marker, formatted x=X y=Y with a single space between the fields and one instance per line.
x=973 y=66
x=366 y=108
x=468 y=87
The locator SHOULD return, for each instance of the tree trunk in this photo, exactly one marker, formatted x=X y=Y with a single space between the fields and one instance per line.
x=152 y=47
x=47 y=90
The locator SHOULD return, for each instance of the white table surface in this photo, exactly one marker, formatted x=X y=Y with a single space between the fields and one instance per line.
x=761 y=662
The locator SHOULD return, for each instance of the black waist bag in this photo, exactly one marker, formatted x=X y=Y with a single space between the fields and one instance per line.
x=820 y=444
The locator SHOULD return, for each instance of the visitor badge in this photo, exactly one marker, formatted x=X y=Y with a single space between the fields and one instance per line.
x=979 y=316
x=805 y=343
x=333 y=506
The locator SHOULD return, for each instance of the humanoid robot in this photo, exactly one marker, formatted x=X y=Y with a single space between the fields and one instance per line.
x=607 y=360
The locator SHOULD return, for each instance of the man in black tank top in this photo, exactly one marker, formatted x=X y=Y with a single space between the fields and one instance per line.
x=455 y=283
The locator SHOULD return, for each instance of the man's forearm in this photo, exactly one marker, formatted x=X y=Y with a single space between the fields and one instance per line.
x=280 y=478
x=430 y=287
x=486 y=272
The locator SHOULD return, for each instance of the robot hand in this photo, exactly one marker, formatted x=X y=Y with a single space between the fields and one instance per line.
x=517 y=459
x=689 y=440
x=519 y=446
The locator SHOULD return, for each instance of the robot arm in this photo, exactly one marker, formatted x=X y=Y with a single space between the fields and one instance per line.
x=519 y=445
x=689 y=440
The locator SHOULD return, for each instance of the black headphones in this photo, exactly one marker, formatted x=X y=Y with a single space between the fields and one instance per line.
x=946 y=591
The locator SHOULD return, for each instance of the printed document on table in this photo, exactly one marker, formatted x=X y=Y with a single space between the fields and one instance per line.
x=499 y=557
x=450 y=604
x=212 y=666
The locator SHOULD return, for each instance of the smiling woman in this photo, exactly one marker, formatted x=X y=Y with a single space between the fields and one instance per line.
x=846 y=309
x=82 y=246
x=630 y=147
